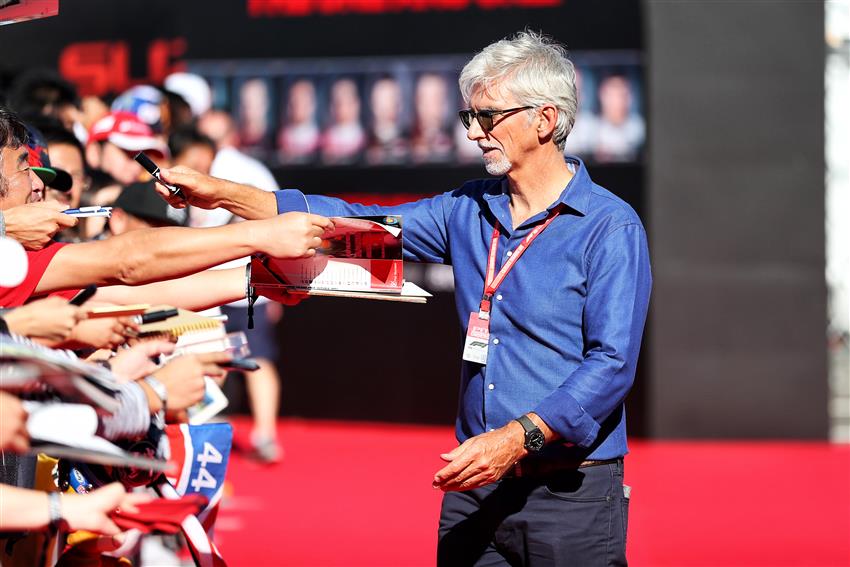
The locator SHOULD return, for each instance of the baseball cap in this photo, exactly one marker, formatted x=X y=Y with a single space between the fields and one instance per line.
x=39 y=161
x=144 y=101
x=193 y=88
x=125 y=130
x=141 y=200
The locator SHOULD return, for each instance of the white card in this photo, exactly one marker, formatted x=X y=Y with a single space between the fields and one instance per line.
x=477 y=339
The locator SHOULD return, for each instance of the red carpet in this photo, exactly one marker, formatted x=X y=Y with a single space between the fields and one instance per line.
x=350 y=494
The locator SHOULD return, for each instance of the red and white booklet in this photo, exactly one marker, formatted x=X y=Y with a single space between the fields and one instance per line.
x=362 y=257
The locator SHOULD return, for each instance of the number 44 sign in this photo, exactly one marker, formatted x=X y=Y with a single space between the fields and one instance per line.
x=204 y=478
x=200 y=454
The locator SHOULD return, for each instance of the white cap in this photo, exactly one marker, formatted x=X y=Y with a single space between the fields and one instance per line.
x=14 y=260
x=193 y=88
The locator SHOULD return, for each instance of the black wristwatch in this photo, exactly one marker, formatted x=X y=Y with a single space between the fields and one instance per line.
x=534 y=438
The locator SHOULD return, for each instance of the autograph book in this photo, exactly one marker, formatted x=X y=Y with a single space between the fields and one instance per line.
x=361 y=258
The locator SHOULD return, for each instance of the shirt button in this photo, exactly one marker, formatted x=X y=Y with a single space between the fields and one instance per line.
x=491 y=386
x=495 y=341
x=510 y=253
x=491 y=429
x=499 y=297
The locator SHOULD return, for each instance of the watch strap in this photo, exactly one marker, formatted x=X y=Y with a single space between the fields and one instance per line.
x=526 y=423
x=534 y=438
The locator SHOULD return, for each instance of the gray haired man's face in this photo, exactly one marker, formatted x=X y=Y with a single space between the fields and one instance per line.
x=508 y=139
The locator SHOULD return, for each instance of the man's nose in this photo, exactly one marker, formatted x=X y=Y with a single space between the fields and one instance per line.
x=475 y=131
x=37 y=185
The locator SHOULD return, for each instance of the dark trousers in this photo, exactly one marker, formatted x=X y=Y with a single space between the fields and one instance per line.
x=572 y=518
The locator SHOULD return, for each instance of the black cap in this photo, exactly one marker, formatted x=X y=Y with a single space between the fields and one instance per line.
x=141 y=200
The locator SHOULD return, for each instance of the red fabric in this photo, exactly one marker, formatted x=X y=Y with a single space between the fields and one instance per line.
x=38 y=263
x=367 y=487
x=160 y=515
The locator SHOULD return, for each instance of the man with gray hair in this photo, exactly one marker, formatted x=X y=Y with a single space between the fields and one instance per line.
x=552 y=284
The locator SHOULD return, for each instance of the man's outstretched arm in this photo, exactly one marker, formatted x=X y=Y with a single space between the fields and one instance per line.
x=195 y=292
x=155 y=254
x=209 y=192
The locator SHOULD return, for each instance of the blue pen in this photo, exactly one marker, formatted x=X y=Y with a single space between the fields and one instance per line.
x=93 y=211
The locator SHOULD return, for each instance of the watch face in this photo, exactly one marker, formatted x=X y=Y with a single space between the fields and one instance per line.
x=534 y=440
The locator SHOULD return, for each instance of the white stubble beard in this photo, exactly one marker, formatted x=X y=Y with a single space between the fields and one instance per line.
x=497 y=165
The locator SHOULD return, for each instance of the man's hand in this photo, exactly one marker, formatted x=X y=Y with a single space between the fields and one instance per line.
x=51 y=319
x=108 y=332
x=208 y=192
x=34 y=224
x=134 y=363
x=202 y=191
x=91 y=511
x=482 y=459
x=290 y=235
x=13 y=424
x=282 y=297
x=183 y=377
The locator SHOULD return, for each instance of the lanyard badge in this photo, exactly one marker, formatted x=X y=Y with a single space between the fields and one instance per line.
x=478 y=328
x=477 y=339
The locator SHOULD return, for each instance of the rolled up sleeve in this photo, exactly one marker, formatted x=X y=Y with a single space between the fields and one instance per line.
x=618 y=290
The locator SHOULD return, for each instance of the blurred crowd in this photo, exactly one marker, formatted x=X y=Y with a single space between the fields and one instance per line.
x=368 y=119
x=65 y=156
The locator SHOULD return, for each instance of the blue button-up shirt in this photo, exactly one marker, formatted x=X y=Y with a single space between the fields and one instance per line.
x=565 y=324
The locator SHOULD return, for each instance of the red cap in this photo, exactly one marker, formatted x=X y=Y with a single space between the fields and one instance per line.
x=127 y=132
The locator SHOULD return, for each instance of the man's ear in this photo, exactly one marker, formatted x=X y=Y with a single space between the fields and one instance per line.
x=547 y=119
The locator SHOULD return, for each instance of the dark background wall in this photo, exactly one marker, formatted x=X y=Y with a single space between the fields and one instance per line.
x=736 y=216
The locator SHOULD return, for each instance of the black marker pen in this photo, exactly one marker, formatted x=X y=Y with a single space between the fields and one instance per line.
x=153 y=169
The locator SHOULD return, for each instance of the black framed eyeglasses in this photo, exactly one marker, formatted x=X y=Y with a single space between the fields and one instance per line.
x=485 y=117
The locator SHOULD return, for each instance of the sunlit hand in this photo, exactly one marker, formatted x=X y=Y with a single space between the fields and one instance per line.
x=282 y=296
x=50 y=320
x=183 y=377
x=290 y=235
x=199 y=190
x=131 y=364
x=34 y=224
x=107 y=332
x=482 y=459
x=90 y=511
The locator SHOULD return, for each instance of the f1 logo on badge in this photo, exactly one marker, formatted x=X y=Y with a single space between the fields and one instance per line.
x=477 y=344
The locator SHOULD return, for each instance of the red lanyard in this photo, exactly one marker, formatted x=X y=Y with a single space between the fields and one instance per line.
x=493 y=280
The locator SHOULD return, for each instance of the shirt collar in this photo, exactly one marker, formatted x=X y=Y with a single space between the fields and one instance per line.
x=576 y=195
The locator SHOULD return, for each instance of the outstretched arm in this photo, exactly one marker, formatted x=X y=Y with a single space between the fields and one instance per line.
x=155 y=254
x=196 y=292
x=25 y=509
x=425 y=221
x=209 y=192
